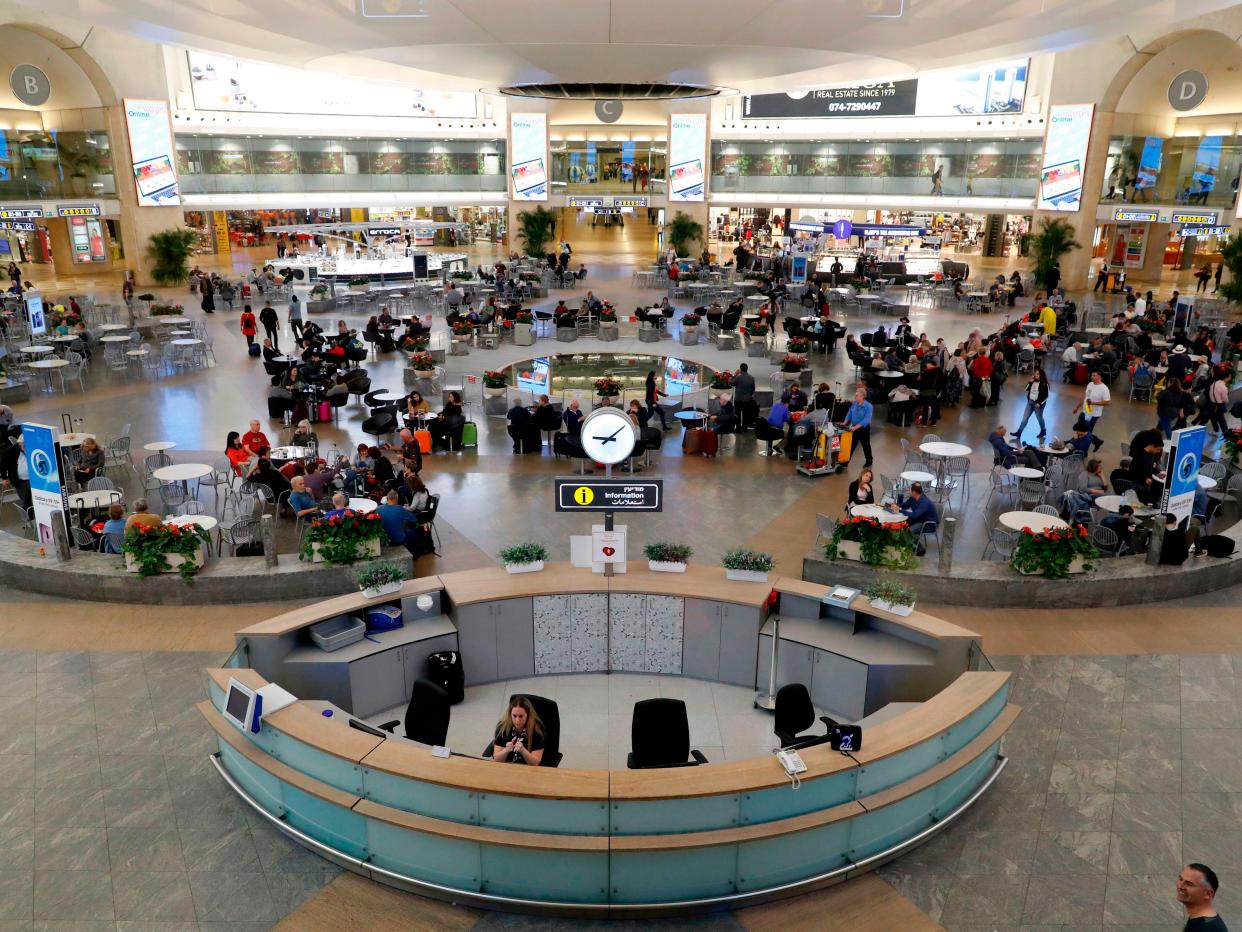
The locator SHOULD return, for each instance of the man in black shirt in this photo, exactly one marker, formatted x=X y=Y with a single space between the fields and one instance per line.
x=1196 y=891
x=271 y=324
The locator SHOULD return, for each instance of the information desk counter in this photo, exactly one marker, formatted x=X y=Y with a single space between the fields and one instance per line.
x=596 y=842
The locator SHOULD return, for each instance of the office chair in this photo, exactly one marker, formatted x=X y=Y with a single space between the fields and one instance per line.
x=660 y=736
x=427 y=715
x=795 y=713
x=550 y=716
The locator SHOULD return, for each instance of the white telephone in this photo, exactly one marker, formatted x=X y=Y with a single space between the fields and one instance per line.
x=793 y=763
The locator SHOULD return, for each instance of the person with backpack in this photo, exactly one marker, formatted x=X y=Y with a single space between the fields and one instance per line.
x=248 y=326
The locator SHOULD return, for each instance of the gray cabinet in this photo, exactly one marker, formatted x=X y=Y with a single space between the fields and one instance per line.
x=739 y=636
x=645 y=633
x=476 y=638
x=796 y=663
x=839 y=684
x=701 y=644
x=378 y=682
x=515 y=638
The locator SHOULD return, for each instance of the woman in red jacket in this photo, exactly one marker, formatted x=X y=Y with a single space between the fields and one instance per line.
x=980 y=374
x=248 y=325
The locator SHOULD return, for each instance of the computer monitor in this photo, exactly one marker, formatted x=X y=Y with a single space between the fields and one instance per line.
x=239 y=704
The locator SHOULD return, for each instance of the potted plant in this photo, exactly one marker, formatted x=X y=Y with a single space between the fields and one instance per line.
x=722 y=379
x=495 y=384
x=747 y=565
x=690 y=320
x=663 y=557
x=1047 y=245
x=423 y=364
x=799 y=345
x=608 y=389
x=756 y=330
x=380 y=579
x=170 y=252
x=793 y=363
x=524 y=317
x=534 y=228
x=890 y=595
x=872 y=542
x=462 y=330
x=524 y=558
x=1054 y=553
x=162 y=548
x=320 y=299
x=1233 y=445
x=463 y=276
x=167 y=310
x=344 y=538
x=608 y=316
x=359 y=284
x=681 y=231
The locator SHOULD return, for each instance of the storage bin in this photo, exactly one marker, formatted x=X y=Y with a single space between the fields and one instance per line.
x=338 y=632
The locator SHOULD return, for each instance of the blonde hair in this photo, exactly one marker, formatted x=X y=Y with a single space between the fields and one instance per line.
x=533 y=725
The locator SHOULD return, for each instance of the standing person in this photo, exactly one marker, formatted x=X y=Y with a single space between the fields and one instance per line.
x=1196 y=891
x=1171 y=407
x=208 y=290
x=1101 y=276
x=938 y=180
x=247 y=324
x=1054 y=277
x=271 y=323
x=1095 y=398
x=1220 y=270
x=295 y=317
x=652 y=399
x=1036 y=399
x=744 y=398
x=1215 y=401
x=1203 y=275
x=858 y=420
x=1000 y=372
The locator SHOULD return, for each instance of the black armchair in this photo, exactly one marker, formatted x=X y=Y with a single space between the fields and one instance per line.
x=427 y=715
x=660 y=736
x=794 y=714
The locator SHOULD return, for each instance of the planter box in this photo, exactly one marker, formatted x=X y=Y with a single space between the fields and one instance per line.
x=370 y=548
x=689 y=336
x=663 y=566
x=746 y=575
x=320 y=307
x=437 y=355
x=13 y=392
x=381 y=591
x=648 y=335
x=360 y=289
x=460 y=348
x=496 y=407
x=424 y=373
x=805 y=378
x=883 y=606
x=523 y=335
x=524 y=567
x=726 y=341
x=756 y=349
x=566 y=335
x=852 y=550
x=609 y=334
x=490 y=392
x=1075 y=568
x=174 y=561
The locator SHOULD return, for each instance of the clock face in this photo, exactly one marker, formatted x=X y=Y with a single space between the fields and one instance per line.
x=608 y=436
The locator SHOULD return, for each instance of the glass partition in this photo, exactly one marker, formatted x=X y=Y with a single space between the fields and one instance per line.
x=239 y=164
x=581 y=167
x=1191 y=170
x=50 y=164
x=998 y=168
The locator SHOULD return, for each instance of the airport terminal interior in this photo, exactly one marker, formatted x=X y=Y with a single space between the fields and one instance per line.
x=750 y=465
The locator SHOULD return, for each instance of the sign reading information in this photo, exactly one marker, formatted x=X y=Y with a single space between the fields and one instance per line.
x=574 y=493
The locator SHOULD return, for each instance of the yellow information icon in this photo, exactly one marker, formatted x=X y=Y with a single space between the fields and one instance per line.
x=583 y=495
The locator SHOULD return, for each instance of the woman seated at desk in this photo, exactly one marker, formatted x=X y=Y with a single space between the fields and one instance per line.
x=519 y=735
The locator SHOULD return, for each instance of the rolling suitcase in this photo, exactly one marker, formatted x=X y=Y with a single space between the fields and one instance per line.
x=691 y=442
x=470 y=434
x=424 y=441
x=709 y=443
x=1079 y=375
x=255 y=349
x=445 y=670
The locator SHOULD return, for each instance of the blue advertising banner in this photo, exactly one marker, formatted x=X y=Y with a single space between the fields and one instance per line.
x=47 y=491
x=797 y=272
x=1181 y=482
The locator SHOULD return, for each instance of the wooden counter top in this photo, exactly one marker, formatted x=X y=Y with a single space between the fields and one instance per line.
x=915 y=621
x=492 y=583
x=697 y=582
x=244 y=675
x=330 y=608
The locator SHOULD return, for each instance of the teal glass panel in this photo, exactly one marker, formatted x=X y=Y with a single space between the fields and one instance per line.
x=215 y=694
x=969 y=728
x=569 y=876
x=665 y=816
x=429 y=799
x=890 y=825
x=784 y=801
x=337 y=827
x=954 y=790
x=326 y=768
x=889 y=771
x=257 y=782
x=453 y=862
x=557 y=816
x=788 y=858
x=663 y=876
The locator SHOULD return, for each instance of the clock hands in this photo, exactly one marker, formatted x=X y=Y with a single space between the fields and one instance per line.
x=610 y=438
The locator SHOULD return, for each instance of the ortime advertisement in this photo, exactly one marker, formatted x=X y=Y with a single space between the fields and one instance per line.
x=998 y=88
x=529 y=145
x=219 y=82
x=687 y=148
x=47 y=493
x=1065 y=157
x=34 y=313
x=151 y=147
x=1182 y=479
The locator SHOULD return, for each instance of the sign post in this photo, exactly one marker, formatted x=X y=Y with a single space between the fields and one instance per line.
x=609 y=495
x=1181 y=481
x=47 y=490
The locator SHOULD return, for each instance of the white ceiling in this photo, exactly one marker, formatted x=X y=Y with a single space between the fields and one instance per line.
x=746 y=44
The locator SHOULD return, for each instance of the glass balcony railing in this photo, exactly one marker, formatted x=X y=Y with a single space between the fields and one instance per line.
x=1192 y=170
x=38 y=165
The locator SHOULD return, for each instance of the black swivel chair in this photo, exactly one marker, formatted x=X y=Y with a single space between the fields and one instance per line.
x=550 y=716
x=660 y=736
x=427 y=715
x=795 y=713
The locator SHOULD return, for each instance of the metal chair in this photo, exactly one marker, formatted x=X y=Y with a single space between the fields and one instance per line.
x=1046 y=510
x=116 y=454
x=219 y=476
x=100 y=484
x=1000 y=481
x=240 y=531
x=1030 y=493
x=173 y=495
x=1002 y=542
x=824 y=527
x=82 y=538
x=190 y=507
x=1106 y=539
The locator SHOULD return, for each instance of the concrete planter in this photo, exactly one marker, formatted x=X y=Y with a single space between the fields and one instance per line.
x=320 y=307
x=883 y=606
x=805 y=378
x=664 y=566
x=12 y=392
x=365 y=550
x=496 y=407
x=174 y=561
x=523 y=335
x=756 y=349
x=648 y=335
x=689 y=336
x=608 y=333
x=460 y=348
x=1075 y=568
x=745 y=575
x=524 y=567
x=726 y=341
x=424 y=373
x=852 y=550
x=566 y=335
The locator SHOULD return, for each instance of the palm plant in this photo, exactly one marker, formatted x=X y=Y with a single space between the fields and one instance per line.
x=1231 y=255
x=682 y=231
x=170 y=251
x=1048 y=244
x=535 y=229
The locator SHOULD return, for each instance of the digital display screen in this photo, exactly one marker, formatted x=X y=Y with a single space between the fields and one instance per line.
x=536 y=377
x=1065 y=154
x=680 y=376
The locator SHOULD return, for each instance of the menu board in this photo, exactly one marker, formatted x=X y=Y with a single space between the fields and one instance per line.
x=529 y=145
x=687 y=148
x=1065 y=157
x=151 y=147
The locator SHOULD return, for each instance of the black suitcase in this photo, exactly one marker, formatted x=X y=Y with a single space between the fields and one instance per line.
x=1217 y=545
x=445 y=670
x=255 y=349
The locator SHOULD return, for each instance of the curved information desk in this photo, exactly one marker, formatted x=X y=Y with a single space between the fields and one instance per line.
x=620 y=842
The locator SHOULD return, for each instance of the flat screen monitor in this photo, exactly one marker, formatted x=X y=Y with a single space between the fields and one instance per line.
x=536 y=377
x=156 y=178
x=239 y=705
x=680 y=376
x=529 y=177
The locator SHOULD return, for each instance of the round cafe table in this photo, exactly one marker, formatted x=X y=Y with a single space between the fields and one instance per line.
x=114 y=338
x=141 y=351
x=1026 y=472
x=1112 y=504
x=185 y=341
x=46 y=366
x=100 y=498
x=181 y=472
x=917 y=475
x=174 y=321
x=38 y=349
x=1207 y=482
x=943 y=451
x=289 y=452
x=363 y=506
x=881 y=514
x=112 y=328
x=74 y=439
x=691 y=418
x=1017 y=520
x=65 y=338
x=159 y=446
x=206 y=522
x=390 y=397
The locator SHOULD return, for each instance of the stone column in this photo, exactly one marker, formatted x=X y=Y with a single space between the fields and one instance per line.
x=1076 y=264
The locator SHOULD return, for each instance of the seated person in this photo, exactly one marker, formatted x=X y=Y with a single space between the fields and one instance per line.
x=1123 y=525
x=301 y=501
x=860 y=491
x=303 y=435
x=546 y=416
x=114 y=525
x=918 y=509
x=1145 y=450
x=254 y=439
x=572 y=416
x=448 y=422
x=795 y=397
x=90 y=461
x=340 y=505
x=521 y=425
x=519 y=734
x=412 y=493
x=415 y=404
x=1175 y=548
x=398 y=523
x=773 y=426
x=267 y=474
x=1006 y=456
x=1083 y=441
x=725 y=420
x=142 y=515
x=824 y=398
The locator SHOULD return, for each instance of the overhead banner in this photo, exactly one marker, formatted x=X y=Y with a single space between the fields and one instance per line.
x=999 y=88
x=687 y=148
x=1065 y=157
x=151 y=147
x=529 y=145
x=1182 y=478
x=47 y=492
x=219 y=82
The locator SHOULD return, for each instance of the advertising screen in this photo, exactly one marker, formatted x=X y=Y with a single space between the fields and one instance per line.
x=687 y=147
x=1149 y=162
x=1065 y=157
x=150 y=146
x=219 y=82
x=529 y=170
x=86 y=239
x=536 y=377
x=1182 y=478
x=43 y=469
x=34 y=313
x=680 y=376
